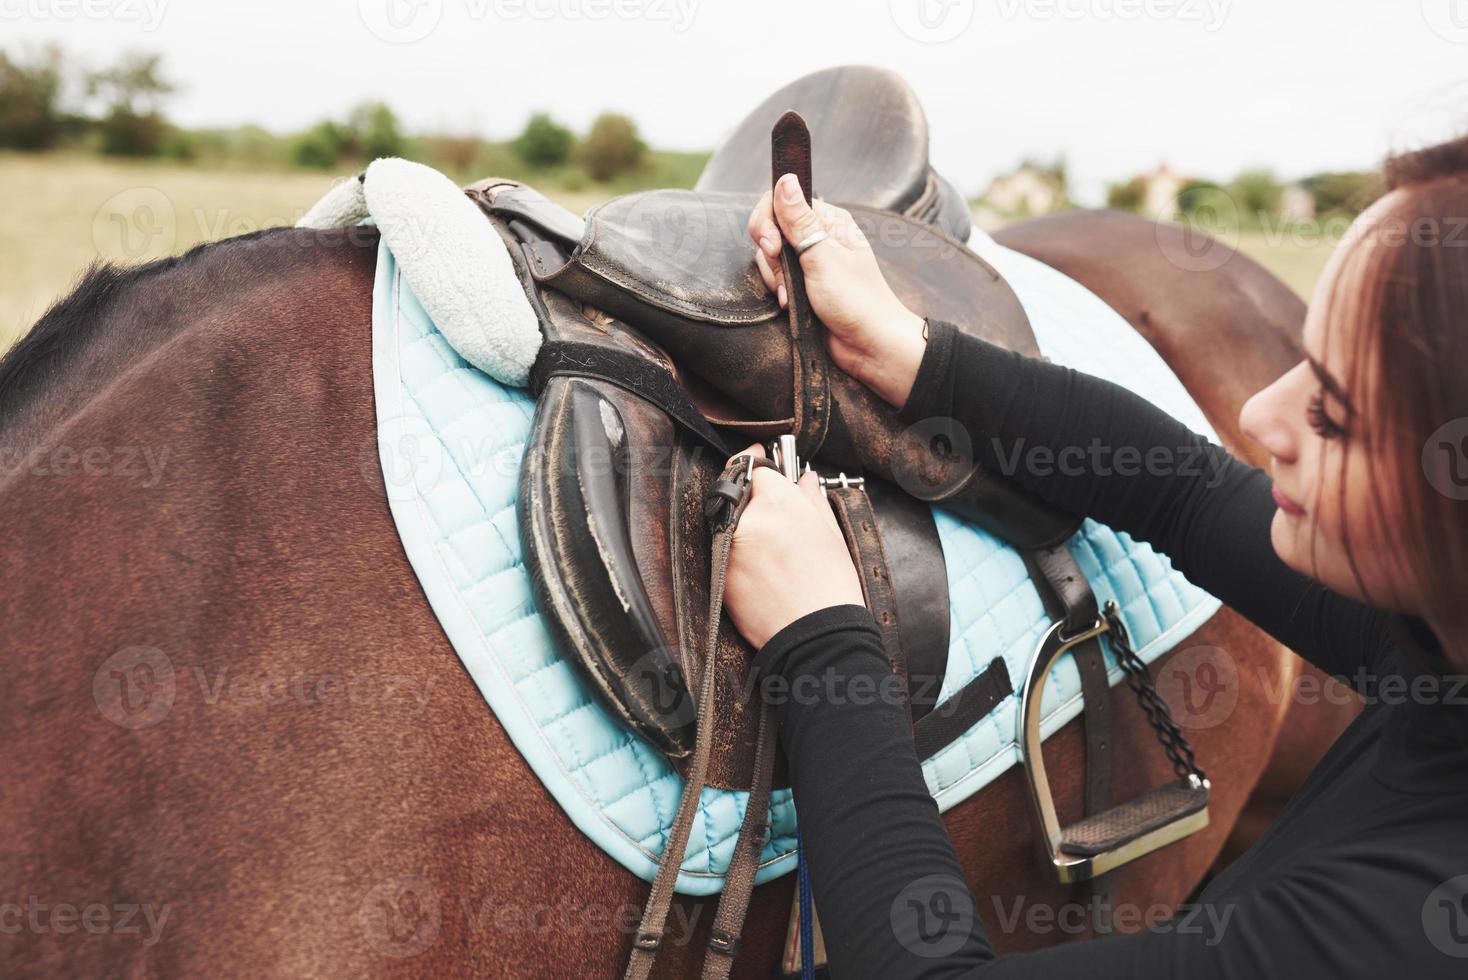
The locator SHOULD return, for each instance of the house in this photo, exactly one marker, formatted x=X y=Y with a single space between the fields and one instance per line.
x=1160 y=189
x=1026 y=192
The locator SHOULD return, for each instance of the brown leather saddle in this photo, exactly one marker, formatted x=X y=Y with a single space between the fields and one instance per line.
x=664 y=355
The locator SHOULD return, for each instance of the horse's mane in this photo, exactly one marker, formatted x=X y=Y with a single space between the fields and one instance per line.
x=73 y=321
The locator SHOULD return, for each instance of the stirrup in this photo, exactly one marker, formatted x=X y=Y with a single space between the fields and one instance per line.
x=1107 y=840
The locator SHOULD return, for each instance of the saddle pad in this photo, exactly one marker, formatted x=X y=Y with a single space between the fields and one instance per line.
x=450 y=441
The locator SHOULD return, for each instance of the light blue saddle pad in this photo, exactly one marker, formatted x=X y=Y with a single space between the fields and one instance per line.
x=451 y=441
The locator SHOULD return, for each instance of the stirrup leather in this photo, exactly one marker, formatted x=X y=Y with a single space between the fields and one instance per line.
x=1123 y=833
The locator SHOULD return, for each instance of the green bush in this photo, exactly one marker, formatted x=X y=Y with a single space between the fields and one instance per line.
x=372 y=132
x=1129 y=196
x=30 y=93
x=1349 y=192
x=319 y=147
x=612 y=147
x=126 y=133
x=1258 y=194
x=544 y=142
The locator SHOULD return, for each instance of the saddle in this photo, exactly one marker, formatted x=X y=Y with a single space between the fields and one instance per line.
x=664 y=355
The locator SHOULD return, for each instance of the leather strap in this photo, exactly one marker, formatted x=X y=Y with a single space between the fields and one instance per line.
x=631 y=371
x=790 y=153
x=858 y=525
x=649 y=935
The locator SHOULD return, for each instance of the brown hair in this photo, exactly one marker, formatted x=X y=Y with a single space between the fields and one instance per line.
x=1408 y=327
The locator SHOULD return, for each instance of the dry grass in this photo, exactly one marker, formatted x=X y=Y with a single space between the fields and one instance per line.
x=62 y=213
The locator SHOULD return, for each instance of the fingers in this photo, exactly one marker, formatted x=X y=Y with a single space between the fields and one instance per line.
x=796 y=218
x=841 y=225
x=810 y=485
x=762 y=227
x=773 y=273
x=754 y=449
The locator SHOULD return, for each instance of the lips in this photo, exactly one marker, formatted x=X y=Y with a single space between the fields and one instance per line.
x=1286 y=504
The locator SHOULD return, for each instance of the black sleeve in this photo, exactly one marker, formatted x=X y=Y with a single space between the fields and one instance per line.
x=891 y=895
x=1095 y=449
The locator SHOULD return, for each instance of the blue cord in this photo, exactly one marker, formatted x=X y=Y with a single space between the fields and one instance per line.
x=807 y=913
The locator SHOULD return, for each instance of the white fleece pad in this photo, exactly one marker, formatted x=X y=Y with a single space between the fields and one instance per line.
x=451 y=257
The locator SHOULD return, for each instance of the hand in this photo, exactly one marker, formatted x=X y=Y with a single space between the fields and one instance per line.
x=872 y=336
x=788 y=557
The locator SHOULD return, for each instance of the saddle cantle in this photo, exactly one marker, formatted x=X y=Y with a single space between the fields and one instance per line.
x=664 y=354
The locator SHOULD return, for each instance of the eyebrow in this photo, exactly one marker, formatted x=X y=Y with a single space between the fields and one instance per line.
x=1330 y=384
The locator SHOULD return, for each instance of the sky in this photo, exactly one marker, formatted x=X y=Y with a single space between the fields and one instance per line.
x=1209 y=87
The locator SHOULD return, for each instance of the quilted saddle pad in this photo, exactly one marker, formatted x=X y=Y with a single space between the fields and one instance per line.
x=451 y=440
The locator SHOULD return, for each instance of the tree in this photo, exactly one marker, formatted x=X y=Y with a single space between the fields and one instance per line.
x=612 y=147
x=132 y=92
x=319 y=147
x=544 y=142
x=1129 y=196
x=1348 y=193
x=30 y=94
x=1257 y=193
x=373 y=131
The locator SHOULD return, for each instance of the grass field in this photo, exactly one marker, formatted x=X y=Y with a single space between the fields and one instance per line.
x=63 y=213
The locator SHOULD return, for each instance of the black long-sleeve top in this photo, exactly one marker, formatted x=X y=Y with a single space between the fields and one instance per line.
x=1363 y=875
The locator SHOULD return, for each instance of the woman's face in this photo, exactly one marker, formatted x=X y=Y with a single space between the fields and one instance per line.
x=1313 y=430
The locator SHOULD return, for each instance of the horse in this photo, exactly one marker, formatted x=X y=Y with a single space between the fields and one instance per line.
x=238 y=739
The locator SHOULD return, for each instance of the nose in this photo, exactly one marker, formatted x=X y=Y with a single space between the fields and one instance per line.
x=1265 y=420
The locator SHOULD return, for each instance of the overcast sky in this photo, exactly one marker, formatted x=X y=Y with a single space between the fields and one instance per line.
x=1209 y=86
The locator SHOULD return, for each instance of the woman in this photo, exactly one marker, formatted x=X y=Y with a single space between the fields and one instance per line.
x=1354 y=555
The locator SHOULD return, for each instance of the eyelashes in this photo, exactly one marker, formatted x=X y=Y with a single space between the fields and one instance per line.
x=1320 y=420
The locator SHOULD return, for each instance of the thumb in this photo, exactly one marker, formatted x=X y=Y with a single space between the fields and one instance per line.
x=795 y=217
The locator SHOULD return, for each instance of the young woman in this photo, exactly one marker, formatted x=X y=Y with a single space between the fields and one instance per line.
x=1353 y=551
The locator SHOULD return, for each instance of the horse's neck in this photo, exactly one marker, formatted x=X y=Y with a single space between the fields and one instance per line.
x=89 y=346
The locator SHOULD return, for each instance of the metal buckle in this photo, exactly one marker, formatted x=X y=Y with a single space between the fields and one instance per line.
x=1068 y=867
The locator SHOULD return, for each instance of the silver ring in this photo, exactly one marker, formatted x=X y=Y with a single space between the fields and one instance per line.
x=811 y=242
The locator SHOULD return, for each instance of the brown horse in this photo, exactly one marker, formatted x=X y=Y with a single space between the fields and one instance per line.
x=237 y=741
